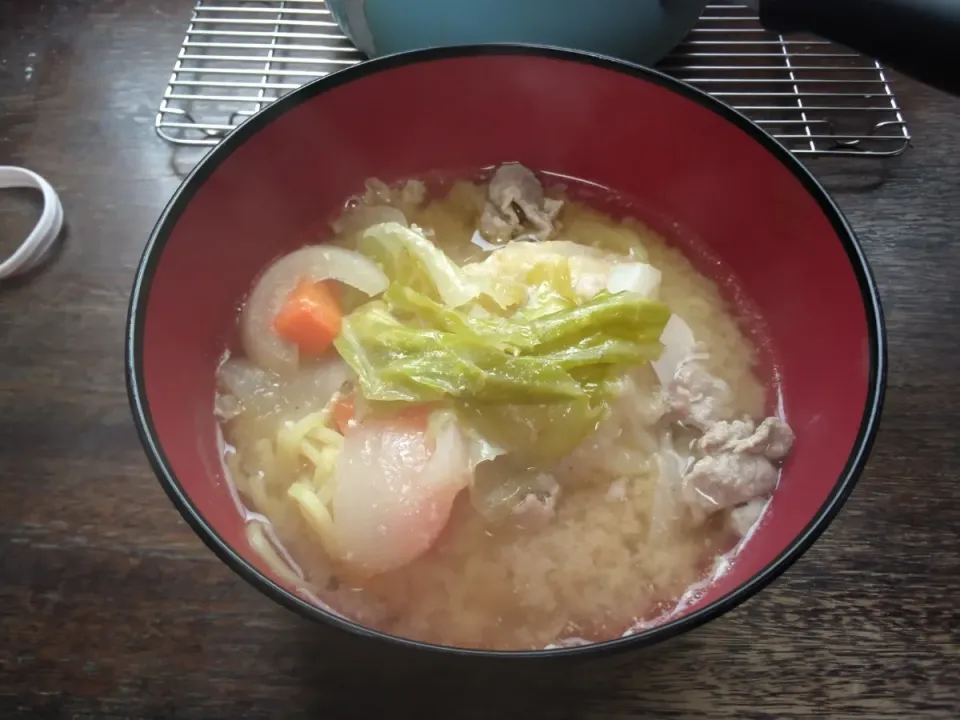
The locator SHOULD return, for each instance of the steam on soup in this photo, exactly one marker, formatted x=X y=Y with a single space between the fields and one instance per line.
x=494 y=417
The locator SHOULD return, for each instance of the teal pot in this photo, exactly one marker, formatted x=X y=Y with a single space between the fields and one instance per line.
x=643 y=31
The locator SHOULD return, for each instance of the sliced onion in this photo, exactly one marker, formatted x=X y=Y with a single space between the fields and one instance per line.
x=244 y=380
x=478 y=240
x=478 y=448
x=261 y=343
x=638 y=278
x=666 y=499
x=678 y=342
x=498 y=489
x=744 y=517
x=450 y=459
x=226 y=407
x=264 y=393
x=313 y=386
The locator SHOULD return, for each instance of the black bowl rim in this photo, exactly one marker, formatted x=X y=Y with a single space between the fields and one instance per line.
x=140 y=298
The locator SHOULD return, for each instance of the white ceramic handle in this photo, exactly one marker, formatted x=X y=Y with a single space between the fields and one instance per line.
x=38 y=243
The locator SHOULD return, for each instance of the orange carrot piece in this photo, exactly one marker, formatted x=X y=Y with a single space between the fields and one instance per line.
x=344 y=411
x=310 y=317
x=416 y=416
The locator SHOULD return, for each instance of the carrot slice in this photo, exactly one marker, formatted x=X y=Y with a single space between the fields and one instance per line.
x=344 y=411
x=413 y=417
x=417 y=416
x=310 y=317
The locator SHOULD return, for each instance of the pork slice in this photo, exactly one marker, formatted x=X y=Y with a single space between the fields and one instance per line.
x=720 y=482
x=538 y=507
x=737 y=467
x=516 y=206
x=696 y=396
x=773 y=438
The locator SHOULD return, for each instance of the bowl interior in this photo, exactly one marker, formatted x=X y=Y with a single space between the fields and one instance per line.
x=268 y=186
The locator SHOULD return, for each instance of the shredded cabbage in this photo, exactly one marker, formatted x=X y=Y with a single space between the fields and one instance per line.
x=550 y=284
x=408 y=258
x=533 y=382
x=549 y=271
x=533 y=435
x=479 y=322
x=427 y=357
x=395 y=362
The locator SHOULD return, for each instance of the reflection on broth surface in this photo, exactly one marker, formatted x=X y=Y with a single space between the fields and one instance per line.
x=490 y=416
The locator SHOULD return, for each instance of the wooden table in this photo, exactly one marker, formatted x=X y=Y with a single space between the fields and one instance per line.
x=110 y=607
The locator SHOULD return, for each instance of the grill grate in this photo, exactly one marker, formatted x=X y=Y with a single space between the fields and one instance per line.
x=815 y=97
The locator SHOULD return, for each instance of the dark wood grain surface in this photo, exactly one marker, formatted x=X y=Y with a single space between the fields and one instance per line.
x=110 y=607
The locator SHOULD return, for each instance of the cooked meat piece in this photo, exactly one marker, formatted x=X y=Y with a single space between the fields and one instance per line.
x=516 y=206
x=718 y=482
x=724 y=435
x=737 y=467
x=737 y=464
x=696 y=396
x=377 y=193
x=513 y=182
x=538 y=507
x=772 y=439
x=413 y=192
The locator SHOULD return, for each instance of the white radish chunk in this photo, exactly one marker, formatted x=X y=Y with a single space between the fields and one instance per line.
x=394 y=492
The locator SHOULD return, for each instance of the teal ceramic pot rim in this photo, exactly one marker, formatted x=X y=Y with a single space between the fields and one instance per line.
x=351 y=16
x=642 y=31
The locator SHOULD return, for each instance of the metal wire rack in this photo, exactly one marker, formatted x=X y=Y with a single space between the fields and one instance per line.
x=817 y=98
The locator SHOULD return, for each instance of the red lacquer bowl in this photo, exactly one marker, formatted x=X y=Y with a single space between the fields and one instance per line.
x=671 y=147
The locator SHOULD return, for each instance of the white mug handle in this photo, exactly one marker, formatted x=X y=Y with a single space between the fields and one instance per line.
x=38 y=243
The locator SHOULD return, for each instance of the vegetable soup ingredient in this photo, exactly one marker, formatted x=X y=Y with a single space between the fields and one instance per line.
x=394 y=492
x=310 y=318
x=261 y=343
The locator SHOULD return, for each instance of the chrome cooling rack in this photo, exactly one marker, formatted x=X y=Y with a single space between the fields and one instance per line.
x=815 y=97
